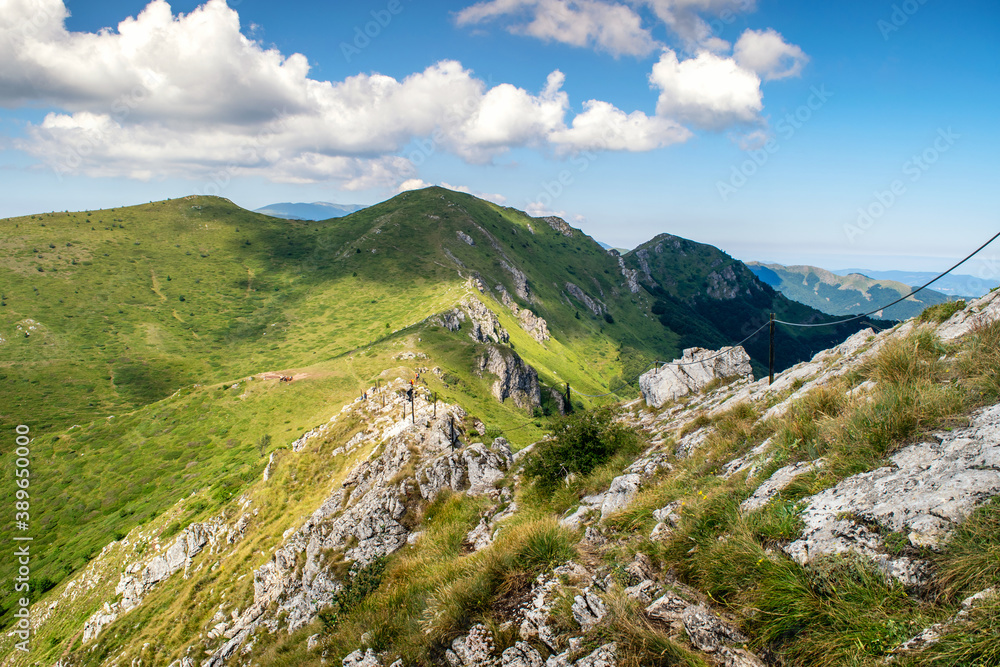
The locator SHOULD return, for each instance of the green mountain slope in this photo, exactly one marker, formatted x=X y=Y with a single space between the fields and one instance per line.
x=712 y=300
x=130 y=335
x=844 y=295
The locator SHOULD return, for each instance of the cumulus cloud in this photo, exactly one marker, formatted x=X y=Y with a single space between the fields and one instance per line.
x=601 y=126
x=687 y=19
x=708 y=91
x=766 y=53
x=607 y=26
x=189 y=95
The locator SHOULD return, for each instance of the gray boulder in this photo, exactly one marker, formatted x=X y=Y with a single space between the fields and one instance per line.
x=700 y=368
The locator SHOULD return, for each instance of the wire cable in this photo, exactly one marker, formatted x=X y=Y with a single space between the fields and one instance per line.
x=902 y=298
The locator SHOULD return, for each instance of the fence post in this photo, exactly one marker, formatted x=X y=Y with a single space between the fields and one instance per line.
x=770 y=356
x=569 y=400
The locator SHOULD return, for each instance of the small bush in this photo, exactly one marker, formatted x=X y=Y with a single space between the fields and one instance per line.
x=941 y=311
x=580 y=442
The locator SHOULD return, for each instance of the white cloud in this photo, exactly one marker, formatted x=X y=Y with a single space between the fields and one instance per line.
x=601 y=126
x=538 y=209
x=686 y=18
x=766 y=53
x=708 y=91
x=611 y=27
x=189 y=95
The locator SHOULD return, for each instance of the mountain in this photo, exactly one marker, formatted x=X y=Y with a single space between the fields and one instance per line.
x=711 y=300
x=144 y=349
x=845 y=295
x=845 y=514
x=954 y=284
x=318 y=210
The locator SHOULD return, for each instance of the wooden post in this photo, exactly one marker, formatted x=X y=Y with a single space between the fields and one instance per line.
x=435 y=405
x=569 y=400
x=770 y=356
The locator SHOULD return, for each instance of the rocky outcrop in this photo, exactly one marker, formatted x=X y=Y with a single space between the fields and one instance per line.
x=520 y=280
x=631 y=276
x=535 y=326
x=486 y=328
x=981 y=311
x=776 y=483
x=595 y=306
x=515 y=379
x=696 y=369
x=364 y=517
x=560 y=225
x=465 y=238
x=927 y=489
x=723 y=285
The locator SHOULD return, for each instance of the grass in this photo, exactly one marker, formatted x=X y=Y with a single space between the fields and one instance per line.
x=839 y=609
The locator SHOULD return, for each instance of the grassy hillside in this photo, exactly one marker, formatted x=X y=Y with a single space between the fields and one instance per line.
x=143 y=323
x=129 y=335
x=844 y=295
x=711 y=300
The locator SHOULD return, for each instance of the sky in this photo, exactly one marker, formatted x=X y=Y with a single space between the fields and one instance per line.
x=860 y=133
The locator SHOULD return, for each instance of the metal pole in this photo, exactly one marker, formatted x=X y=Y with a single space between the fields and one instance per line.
x=413 y=407
x=770 y=356
x=435 y=405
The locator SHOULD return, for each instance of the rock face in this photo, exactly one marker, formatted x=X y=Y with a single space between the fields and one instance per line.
x=595 y=306
x=515 y=379
x=559 y=225
x=486 y=328
x=631 y=276
x=700 y=368
x=485 y=325
x=363 y=518
x=928 y=489
x=777 y=483
x=536 y=326
x=465 y=238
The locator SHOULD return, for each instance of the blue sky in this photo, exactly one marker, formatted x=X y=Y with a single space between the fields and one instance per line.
x=836 y=134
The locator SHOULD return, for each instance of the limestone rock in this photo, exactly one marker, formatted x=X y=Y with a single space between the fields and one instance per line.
x=486 y=327
x=515 y=379
x=622 y=491
x=465 y=238
x=777 y=483
x=604 y=656
x=595 y=306
x=473 y=650
x=926 y=490
x=738 y=657
x=701 y=367
x=558 y=224
x=707 y=631
x=359 y=659
x=522 y=654
x=588 y=609
x=981 y=311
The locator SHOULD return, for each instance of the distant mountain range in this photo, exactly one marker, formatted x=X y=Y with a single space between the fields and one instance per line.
x=849 y=294
x=954 y=284
x=318 y=210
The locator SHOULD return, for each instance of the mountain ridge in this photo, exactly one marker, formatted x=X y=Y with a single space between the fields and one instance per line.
x=845 y=295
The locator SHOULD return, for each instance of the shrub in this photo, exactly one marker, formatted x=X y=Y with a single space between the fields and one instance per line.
x=360 y=582
x=941 y=311
x=580 y=442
